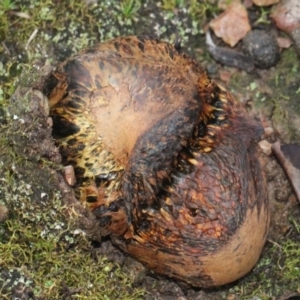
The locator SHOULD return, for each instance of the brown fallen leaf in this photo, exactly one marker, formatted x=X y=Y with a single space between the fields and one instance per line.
x=232 y=25
x=264 y=2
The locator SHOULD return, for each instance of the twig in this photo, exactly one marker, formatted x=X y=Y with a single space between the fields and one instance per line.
x=31 y=38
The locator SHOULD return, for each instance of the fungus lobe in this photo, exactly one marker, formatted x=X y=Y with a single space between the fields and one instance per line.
x=165 y=158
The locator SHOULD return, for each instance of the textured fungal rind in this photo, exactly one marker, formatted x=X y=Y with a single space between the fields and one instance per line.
x=164 y=156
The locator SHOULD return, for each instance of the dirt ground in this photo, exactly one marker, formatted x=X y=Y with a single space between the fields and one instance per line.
x=40 y=234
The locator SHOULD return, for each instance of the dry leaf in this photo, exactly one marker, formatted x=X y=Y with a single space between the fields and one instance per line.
x=21 y=14
x=264 y=2
x=232 y=25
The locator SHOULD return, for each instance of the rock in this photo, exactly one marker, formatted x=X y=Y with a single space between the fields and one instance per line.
x=69 y=175
x=229 y=57
x=3 y=212
x=284 y=42
x=262 y=47
x=268 y=131
x=286 y=15
x=266 y=147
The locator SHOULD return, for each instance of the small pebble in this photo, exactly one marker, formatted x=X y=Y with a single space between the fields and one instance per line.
x=268 y=131
x=284 y=42
x=69 y=175
x=3 y=212
x=262 y=47
x=266 y=147
x=50 y=122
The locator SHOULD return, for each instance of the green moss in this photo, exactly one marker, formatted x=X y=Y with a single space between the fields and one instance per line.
x=172 y=4
x=264 y=16
x=46 y=267
x=277 y=95
x=285 y=98
x=43 y=253
x=130 y=7
x=202 y=10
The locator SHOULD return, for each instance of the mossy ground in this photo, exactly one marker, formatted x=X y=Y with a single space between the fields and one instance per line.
x=43 y=255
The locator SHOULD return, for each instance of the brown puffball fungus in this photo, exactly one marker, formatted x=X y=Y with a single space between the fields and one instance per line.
x=165 y=158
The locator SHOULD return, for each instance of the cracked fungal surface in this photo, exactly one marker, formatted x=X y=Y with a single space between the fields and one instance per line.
x=164 y=157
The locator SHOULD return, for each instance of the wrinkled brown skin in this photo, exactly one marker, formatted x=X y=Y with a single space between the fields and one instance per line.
x=164 y=156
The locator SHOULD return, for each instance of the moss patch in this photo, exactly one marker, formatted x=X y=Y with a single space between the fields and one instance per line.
x=43 y=252
x=56 y=263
